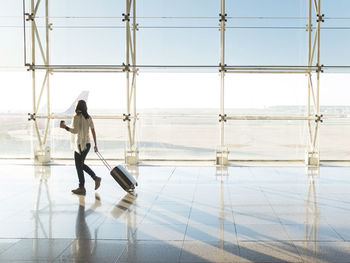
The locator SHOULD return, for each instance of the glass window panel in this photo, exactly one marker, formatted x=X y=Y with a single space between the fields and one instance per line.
x=266 y=47
x=340 y=8
x=15 y=136
x=183 y=8
x=334 y=139
x=178 y=115
x=11 y=31
x=92 y=35
x=266 y=140
x=106 y=91
x=178 y=33
x=267 y=8
x=15 y=103
x=266 y=94
x=335 y=46
x=266 y=32
x=335 y=108
x=178 y=47
x=87 y=46
x=178 y=134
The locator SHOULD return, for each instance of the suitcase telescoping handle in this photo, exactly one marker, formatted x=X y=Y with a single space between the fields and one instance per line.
x=104 y=161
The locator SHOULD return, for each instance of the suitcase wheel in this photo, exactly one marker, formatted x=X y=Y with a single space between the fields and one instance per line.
x=136 y=184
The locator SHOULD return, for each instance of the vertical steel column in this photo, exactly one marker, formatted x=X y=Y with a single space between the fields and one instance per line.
x=134 y=71
x=41 y=153
x=127 y=56
x=47 y=75
x=222 y=73
x=312 y=154
x=131 y=153
x=33 y=27
x=319 y=20
x=309 y=28
x=309 y=60
x=222 y=152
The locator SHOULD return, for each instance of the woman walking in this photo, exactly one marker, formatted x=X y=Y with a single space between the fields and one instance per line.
x=82 y=121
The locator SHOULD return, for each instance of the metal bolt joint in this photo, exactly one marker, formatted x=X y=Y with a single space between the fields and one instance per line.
x=222 y=117
x=222 y=17
x=319 y=68
x=31 y=67
x=29 y=17
x=32 y=117
x=222 y=68
x=126 y=67
x=319 y=118
x=320 y=18
x=126 y=117
x=126 y=17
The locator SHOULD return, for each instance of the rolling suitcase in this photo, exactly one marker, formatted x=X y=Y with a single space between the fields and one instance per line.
x=121 y=175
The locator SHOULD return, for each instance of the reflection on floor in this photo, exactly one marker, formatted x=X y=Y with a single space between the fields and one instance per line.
x=178 y=214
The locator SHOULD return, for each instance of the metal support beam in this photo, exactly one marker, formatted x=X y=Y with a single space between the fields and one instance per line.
x=131 y=151
x=42 y=151
x=222 y=151
x=313 y=91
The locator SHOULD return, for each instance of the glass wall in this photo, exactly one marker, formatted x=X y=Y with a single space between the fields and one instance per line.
x=178 y=80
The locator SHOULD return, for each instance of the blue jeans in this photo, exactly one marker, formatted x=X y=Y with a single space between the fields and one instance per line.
x=81 y=166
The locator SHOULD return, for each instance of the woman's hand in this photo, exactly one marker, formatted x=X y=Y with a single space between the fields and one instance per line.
x=63 y=125
x=95 y=148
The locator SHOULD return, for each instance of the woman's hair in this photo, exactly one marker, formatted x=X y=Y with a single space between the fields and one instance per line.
x=82 y=108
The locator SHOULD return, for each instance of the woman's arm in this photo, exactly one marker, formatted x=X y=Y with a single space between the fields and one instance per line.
x=75 y=126
x=94 y=137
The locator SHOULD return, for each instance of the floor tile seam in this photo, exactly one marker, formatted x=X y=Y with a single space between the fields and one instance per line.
x=72 y=241
x=232 y=212
x=296 y=249
x=237 y=240
x=153 y=203
x=63 y=251
x=189 y=216
x=290 y=243
x=122 y=253
x=271 y=240
x=319 y=241
x=10 y=245
x=335 y=231
x=299 y=249
x=324 y=241
x=285 y=229
x=95 y=221
x=275 y=214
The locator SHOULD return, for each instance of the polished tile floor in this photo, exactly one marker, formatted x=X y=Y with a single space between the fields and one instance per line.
x=178 y=214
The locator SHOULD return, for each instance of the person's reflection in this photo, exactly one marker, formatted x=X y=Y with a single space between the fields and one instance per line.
x=83 y=247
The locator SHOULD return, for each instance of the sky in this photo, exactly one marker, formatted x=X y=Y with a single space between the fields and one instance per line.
x=195 y=46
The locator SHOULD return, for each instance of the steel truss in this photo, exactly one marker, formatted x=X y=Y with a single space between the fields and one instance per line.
x=130 y=69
